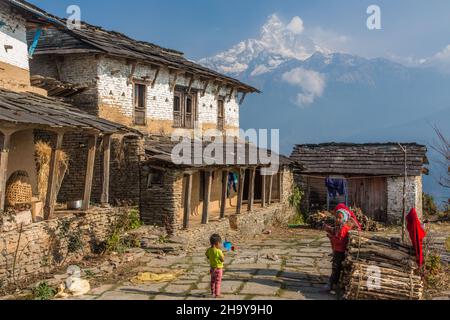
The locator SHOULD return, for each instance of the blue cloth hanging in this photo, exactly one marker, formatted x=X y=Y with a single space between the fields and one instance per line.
x=335 y=187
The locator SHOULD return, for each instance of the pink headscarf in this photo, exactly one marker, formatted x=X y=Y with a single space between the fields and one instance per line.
x=350 y=213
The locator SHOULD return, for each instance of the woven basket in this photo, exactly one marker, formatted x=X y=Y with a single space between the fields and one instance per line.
x=18 y=189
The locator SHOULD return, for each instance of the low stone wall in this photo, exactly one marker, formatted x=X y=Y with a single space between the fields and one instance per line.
x=41 y=247
x=247 y=224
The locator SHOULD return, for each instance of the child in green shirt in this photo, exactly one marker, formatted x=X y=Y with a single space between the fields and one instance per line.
x=216 y=259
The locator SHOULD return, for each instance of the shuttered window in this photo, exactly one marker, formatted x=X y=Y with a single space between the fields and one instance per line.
x=184 y=108
x=140 y=104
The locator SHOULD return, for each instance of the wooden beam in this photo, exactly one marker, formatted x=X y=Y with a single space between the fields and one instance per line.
x=219 y=88
x=251 y=191
x=51 y=196
x=4 y=155
x=270 y=189
x=187 y=200
x=223 y=199
x=158 y=70
x=191 y=82
x=240 y=190
x=106 y=168
x=133 y=70
x=244 y=94
x=205 y=87
x=207 y=196
x=263 y=191
x=174 y=83
x=92 y=146
x=231 y=94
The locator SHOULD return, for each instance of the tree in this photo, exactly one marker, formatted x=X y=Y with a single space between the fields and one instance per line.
x=442 y=147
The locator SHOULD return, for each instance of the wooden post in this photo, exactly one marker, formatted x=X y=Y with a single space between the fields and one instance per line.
x=223 y=203
x=92 y=146
x=51 y=196
x=106 y=168
x=207 y=196
x=240 y=190
x=280 y=187
x=263 y=191
x=270 y=189
x=251 y=190
x=404 y=192
x=4 y=169
x=187 y=200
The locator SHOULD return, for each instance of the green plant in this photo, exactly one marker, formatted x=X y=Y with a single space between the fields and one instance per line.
x=447 y=244
x=295 y=201
x=134 y=220
x=162 y=239
x=429 y=205
x=129 y=220
x=44 y=292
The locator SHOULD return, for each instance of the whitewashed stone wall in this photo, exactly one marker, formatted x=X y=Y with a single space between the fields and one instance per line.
x=395 y=197
x=13 y=33
x=114 y=91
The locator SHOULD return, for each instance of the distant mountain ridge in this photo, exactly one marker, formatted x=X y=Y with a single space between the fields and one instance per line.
x=315 y=95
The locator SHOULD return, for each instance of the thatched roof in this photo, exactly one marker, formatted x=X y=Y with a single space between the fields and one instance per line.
x=366 y=159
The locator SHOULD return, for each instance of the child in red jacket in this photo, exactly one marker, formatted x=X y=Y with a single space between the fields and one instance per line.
x=339 y=238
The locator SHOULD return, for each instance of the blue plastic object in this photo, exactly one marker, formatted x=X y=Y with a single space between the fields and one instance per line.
x=227 y=245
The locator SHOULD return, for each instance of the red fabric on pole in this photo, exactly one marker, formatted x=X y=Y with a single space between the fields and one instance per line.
x=352 y=214
x=416 y=234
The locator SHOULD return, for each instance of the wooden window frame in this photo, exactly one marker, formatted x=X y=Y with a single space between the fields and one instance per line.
x=183 y=95
x=135 y=98
x=151 y=174
x=221 y=120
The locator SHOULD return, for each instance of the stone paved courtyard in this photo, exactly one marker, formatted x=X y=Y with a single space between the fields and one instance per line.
x=268 y=268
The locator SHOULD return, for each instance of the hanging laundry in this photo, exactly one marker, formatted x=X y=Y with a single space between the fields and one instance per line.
x=416 y=234
x=335 y=187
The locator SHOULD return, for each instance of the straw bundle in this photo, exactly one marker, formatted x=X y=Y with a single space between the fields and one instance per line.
x=43 y=156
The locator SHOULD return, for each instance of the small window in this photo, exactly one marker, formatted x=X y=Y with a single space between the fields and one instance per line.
x=140 y=103
x=155 y=179
x=184 y=108
x=221 y=114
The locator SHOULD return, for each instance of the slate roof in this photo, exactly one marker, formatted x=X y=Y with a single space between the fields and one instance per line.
x=360 y=159
x=45 y=112
x=159 y=150
x=94 y=39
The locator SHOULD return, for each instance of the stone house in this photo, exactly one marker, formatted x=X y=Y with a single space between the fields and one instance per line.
x=371 y=176
x=28 y=200
x=151 y=89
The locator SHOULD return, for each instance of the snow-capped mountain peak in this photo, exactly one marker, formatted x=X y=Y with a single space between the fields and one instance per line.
x=278 y=42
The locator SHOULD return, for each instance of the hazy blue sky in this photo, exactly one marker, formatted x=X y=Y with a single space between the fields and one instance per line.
x=411 y=28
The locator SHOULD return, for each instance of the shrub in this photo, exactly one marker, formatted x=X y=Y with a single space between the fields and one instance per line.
x=429 y=205
x=44 y=292
x=295 y=201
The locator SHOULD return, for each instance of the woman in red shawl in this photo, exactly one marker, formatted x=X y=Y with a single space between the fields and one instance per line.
x=351 y=214
x=338 y=235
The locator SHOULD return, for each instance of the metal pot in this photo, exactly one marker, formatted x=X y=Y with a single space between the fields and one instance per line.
x=74 y=205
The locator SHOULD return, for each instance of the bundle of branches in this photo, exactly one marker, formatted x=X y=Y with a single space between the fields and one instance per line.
x=367 y=223
x=319 y=219
x=377 y=268
x=43 y=152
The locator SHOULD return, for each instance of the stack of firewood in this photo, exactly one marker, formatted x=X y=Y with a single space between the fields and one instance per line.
x=377 y=268
x=367 y=224
x=319 y=219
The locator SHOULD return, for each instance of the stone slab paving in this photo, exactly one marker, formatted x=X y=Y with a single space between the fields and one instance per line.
x=270 y=268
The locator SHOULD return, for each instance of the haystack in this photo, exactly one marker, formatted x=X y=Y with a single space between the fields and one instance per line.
x=43 y=157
